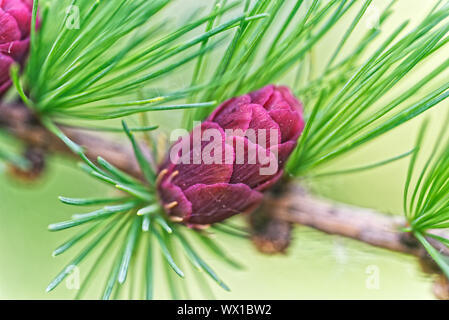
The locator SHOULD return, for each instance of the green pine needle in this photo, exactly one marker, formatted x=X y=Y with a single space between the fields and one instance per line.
x=14 y=159
x=148 y=172
x=92 y=73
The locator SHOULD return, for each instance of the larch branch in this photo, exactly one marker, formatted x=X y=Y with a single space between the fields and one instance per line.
x=293 y=204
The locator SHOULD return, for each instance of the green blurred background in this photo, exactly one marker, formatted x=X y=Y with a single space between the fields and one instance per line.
x=316 y=266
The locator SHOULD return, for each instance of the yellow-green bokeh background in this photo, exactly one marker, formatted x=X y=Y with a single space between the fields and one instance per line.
x=316 y=266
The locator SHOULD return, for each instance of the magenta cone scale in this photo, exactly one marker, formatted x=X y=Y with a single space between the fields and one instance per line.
x=206 y=192
x=15 y=24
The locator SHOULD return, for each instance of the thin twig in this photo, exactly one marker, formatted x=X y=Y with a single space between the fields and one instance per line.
x=297 y=206
x=21 y=123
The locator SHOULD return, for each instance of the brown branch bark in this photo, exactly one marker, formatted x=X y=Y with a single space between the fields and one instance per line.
x=21 y=123
x=296 y=206
x=292 y=205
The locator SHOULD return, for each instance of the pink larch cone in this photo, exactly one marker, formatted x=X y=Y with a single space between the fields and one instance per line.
x=203 y=193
